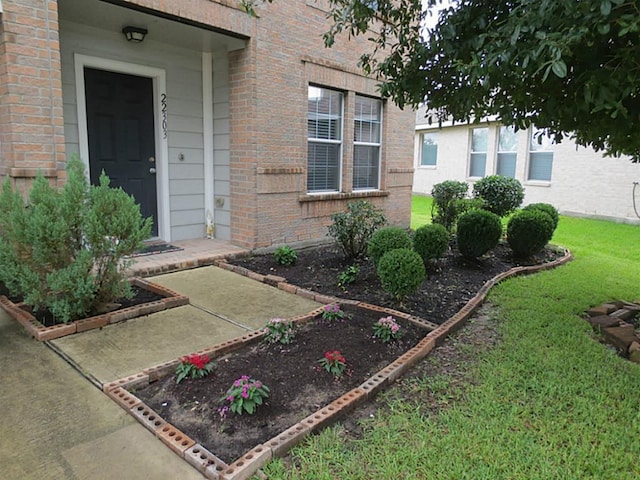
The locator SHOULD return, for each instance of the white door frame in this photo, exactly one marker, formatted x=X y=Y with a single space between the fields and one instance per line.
x=158 y=76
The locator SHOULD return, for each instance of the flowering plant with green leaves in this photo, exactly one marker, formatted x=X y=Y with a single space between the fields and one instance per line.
x=194 y=366
x=333 y=313
x=279 y=330
x=334 y=363
x=387 y=329
x=246 y=394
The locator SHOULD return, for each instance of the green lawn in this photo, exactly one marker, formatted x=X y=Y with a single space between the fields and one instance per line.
x=548 y=403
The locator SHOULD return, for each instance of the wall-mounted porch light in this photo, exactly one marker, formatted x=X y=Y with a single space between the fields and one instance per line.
x=134 y=34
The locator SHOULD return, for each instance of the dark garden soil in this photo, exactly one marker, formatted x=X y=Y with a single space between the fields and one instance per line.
x=298 y=386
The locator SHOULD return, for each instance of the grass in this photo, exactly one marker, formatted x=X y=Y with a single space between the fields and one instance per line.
x=547 y=402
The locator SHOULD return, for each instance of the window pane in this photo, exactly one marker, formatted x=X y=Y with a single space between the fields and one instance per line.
x=324 y=119
x=323 y=167
x=367 y=120
x=507 y=140
x=540 y=141
x=506 y=164
x=429 y=154
x=479 y=139
x=540 y=166
x=365 y=167
x=477 y=164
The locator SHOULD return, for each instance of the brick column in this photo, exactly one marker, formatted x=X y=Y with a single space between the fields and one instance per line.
x=31 y=121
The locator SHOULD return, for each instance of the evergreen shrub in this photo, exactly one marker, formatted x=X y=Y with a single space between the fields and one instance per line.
x=548 y=209
x=478 y=232
x=500 y=195
x=528 y=231
x=401 y=272
x=386 y=239
x=445 y=208
x=431 y=241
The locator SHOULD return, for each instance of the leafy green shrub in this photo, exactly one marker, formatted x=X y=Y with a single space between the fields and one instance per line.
x=348 y=276
x=478 y=232
x=548 y=209
x=64 y=251
x=386 y=239
x=445 y=206
x=500 y=195
x=401 y=272
x=285 y=255
x=528 y=231
x=353 y=229
x=431 y=241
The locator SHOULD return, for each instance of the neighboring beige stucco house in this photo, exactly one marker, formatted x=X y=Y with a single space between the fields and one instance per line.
x=576 y=180
x=251 y=119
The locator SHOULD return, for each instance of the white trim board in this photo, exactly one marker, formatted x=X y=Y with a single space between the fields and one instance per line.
x=207 y=127
x=158 y=76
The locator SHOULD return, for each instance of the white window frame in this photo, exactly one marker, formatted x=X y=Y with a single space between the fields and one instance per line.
x=328 y=141
x=533 y=132
x=514 y=151
x=422 y=135
x=471 y=151
x=369 y=144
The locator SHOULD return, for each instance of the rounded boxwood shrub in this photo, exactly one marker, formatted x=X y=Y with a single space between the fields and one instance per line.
x=548 y=209
x=500 y=195
x=478 y=232
x=386 y=239
x=431 y=241
x=401 y=272
x=528 y=231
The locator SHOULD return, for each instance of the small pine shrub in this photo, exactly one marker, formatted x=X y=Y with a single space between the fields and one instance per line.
x=64 y=251
x=528 y=231
x=431 y=241
x=500 y=195
x=353 y=229
x=445 y=206
x=386 y=239
x=548 y=209
x=285 y=255
x=401 y=272
x=478 y=232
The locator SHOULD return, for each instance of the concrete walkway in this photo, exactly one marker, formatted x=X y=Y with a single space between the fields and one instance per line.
x=56 y=424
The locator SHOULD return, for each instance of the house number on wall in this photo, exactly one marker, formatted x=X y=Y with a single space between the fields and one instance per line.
x=163 y=101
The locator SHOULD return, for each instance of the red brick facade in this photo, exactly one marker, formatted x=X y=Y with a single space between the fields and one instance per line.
x=268 y=81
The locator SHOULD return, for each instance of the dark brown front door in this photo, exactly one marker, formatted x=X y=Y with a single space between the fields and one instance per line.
x=121 y=135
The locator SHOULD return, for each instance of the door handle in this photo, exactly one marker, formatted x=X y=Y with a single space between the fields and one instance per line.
x=152 y=170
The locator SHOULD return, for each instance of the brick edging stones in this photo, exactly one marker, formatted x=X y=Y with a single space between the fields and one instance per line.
x=40 y=332
x=244 y=467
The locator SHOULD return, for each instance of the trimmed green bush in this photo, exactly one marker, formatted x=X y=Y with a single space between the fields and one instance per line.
x=528 y=231
x=431 y=241
x=64 y=251
x=401 y=272
x=478 y=232
x=285 y=255
x=548 y=209
x=500 y=195
x=353 y=229
x=445 y=206
x=386 y=239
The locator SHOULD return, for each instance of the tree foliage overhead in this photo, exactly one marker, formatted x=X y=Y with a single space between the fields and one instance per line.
x=569 y=67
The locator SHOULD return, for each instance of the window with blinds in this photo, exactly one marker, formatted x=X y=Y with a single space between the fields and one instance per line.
x=478 y=155
x=540 y=156
x=366 y=150
x=429 y=149
x=507 y=148
x=324 y=124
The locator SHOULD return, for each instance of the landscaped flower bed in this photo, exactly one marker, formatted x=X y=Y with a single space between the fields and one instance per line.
x=162 y=299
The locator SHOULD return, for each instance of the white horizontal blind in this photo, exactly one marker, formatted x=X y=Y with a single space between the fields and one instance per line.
x=540 y=156
x=366 y=153
x=478 y=156
x=324 y=123
x=507 y=156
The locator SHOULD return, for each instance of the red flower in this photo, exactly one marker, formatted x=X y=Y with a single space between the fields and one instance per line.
x=198 y=361
x=334 y=356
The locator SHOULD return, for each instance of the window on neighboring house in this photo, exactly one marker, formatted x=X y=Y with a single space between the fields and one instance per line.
x=478 y=156
x=324 y=122
x=507 y=147
x=540 y=156
x=429 y=152
x=366 y=149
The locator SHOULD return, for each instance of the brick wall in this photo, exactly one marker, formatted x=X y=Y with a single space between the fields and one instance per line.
x=31 y=125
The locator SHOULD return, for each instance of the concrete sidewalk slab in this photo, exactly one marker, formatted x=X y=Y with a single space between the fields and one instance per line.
x=234 y=296
x=122 y=349
x=52 y=417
